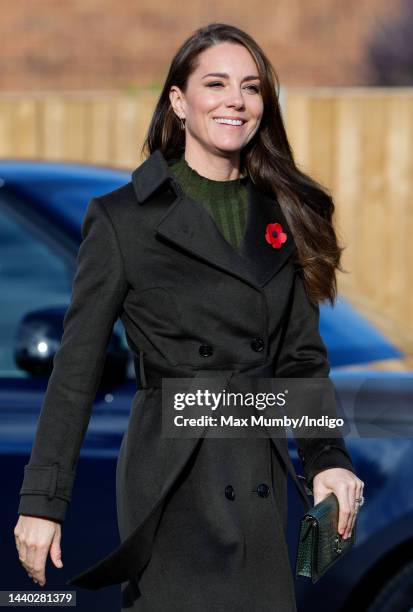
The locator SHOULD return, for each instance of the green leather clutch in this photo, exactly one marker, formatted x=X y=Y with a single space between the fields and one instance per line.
x=320 y=545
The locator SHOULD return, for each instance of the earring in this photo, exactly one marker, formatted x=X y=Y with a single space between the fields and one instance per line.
x=182 y=123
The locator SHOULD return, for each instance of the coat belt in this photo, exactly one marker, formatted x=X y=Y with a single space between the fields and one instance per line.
x=152 y=377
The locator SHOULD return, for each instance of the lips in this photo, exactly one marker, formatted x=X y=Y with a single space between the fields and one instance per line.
x=231 y=119
x=229 y=125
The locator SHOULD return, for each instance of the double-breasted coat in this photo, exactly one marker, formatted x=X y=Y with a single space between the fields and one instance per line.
x=191 y=306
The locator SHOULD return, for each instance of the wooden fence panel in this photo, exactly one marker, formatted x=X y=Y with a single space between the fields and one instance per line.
x=358 y=143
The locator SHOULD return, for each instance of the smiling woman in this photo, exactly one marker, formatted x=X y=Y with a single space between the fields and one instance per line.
x=215 y=257
x=211 y=123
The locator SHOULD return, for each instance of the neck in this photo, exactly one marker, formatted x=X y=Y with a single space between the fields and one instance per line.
x=213 y=167
x=205 y=188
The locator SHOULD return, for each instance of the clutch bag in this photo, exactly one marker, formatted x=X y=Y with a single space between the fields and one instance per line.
x=320 y=545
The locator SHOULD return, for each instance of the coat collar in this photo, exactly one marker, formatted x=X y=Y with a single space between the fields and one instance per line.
x=189 y=225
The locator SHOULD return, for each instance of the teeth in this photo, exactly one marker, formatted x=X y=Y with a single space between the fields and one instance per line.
x=229 y=121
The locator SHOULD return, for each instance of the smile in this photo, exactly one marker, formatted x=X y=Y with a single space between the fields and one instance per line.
x=230 y=122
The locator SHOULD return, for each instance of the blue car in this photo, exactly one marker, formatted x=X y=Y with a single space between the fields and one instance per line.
x=41 y=209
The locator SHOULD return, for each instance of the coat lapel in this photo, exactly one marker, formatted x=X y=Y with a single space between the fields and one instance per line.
x=188 y=225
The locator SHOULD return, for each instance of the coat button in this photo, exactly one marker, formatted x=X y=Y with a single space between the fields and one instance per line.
x=205 y=350
x=229 y=492
x=263 y=490
x=257 y=344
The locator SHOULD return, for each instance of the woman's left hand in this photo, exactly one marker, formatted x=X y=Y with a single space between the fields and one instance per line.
x=347 y=487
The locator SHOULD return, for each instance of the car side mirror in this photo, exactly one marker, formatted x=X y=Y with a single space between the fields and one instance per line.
x=38 y=338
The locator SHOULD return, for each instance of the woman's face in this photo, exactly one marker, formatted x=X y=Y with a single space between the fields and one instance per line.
x=234 y=93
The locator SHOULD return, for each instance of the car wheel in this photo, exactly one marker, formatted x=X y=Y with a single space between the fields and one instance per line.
x=397 y=593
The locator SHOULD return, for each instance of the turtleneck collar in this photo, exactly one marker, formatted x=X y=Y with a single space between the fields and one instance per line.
x=193 y=182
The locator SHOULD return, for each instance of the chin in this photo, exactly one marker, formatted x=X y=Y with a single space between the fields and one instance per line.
x=228 y=148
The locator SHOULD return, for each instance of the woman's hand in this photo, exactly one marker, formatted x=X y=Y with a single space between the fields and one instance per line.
x=347 y=487
x=34 y=537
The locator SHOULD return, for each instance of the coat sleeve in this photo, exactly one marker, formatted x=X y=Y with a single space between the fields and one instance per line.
x=98 y=291
x=303 y=354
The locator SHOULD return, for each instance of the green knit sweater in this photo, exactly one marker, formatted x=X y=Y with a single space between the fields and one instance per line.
x=226 y=201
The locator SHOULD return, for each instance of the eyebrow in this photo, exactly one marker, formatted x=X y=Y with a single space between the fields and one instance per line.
x=224 y=75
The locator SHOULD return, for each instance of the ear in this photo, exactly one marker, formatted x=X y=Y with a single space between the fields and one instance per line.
x=175 y=96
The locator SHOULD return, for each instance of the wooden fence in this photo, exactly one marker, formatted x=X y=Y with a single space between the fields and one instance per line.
x=358 y=142
x=101 y=127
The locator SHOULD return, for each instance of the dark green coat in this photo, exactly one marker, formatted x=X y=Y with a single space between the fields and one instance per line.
x=190 y=305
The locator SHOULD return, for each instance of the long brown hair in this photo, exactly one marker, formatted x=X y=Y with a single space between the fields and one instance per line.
x=267 y=158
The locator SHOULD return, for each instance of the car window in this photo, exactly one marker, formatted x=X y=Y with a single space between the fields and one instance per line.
x=32 y=276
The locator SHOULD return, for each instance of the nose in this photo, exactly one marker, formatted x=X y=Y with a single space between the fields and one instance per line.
x=235 y=98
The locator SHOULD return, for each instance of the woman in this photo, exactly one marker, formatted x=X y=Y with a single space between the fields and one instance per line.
x=215 y=257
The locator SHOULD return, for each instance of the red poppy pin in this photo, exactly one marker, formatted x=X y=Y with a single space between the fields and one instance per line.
x=274 y=235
